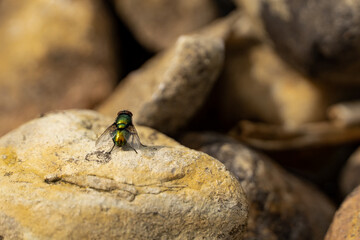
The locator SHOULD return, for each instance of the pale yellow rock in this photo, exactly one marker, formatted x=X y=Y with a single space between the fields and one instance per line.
x=56 y=185
x=346 y=222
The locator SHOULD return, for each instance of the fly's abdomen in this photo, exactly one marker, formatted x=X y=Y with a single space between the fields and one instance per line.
x=119 y=139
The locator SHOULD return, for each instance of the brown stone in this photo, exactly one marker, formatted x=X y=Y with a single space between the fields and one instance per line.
x=257 y=84
x=236 y=29
x=314 y=150
x=157 y=24
x=281 y=206
x=350 y=177
x=168 y=90
x=319 y=37
x=53 y=55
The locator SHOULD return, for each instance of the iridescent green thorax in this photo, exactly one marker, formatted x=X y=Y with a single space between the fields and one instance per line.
x=123 y=120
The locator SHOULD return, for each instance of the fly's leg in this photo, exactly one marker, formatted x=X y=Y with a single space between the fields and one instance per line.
x=111 y=149
x=133 y=149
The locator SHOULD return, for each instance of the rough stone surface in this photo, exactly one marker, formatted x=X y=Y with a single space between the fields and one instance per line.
x=256 y=84
x=346 y=222
x=158 y=23
x=53 y=55
x=55 y=184
x=281 y=206
x=319 y=37
x=167 y=91
x=350 y=177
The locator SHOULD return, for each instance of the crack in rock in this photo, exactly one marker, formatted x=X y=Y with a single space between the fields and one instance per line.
x=123 y=190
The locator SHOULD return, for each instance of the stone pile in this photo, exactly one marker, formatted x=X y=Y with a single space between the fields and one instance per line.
x=262 y=95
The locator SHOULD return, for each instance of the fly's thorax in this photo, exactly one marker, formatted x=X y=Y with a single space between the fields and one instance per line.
x=123 y=120
x=121 y=125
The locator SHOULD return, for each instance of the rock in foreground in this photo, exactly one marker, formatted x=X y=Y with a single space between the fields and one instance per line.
x=346 y=222
x=55 y=185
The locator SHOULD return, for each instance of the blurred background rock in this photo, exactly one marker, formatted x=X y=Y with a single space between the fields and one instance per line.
x=281 y=77
x=54 y=55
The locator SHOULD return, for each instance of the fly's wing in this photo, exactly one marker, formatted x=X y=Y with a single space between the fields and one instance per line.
x=105 y=139
x=132 y=138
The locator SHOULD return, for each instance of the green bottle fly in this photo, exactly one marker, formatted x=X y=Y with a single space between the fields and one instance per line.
x=122 y=132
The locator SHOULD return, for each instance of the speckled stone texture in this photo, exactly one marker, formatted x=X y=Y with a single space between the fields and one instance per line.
x=346 y=222
x=55 y=184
